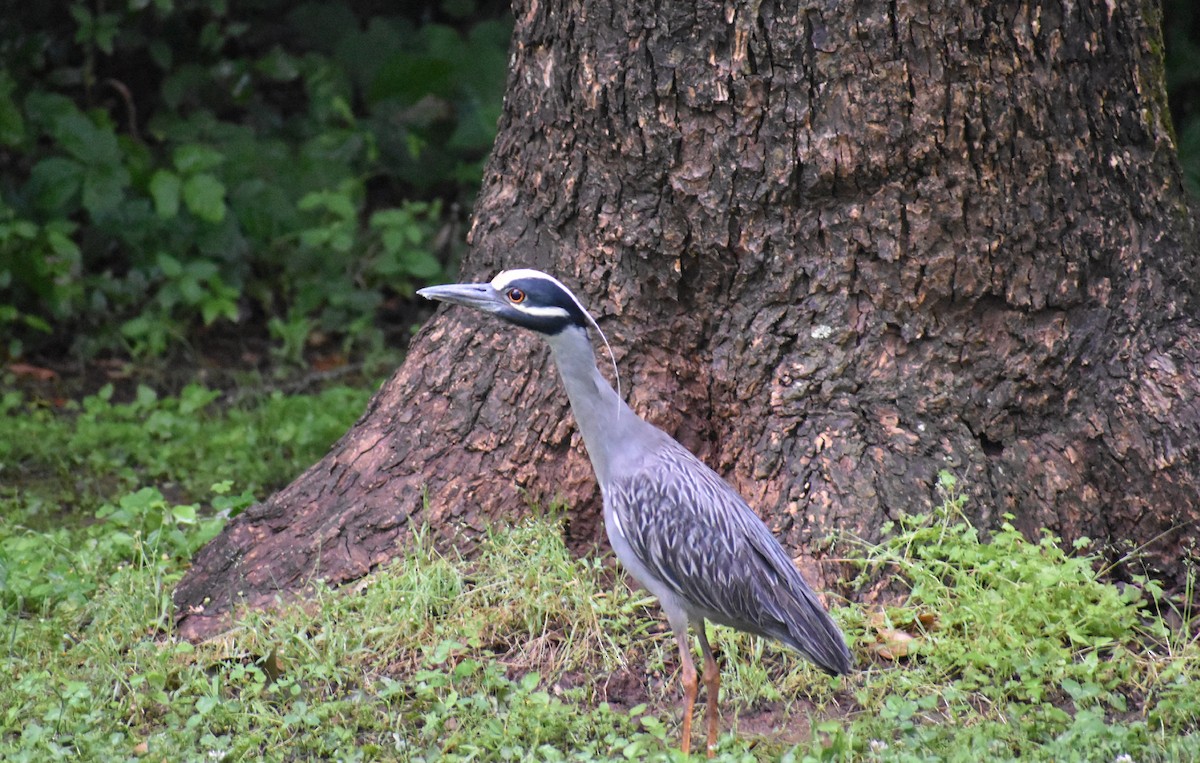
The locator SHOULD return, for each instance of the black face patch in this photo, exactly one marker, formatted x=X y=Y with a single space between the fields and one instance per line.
x=541 y=293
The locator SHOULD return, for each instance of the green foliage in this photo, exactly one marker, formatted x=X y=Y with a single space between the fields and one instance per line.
x=99 y=447
x=1024 y=652
x=79 y=456
x=42 y=570
x=297 y=685
x=1035 y=615
x=176 y=164
x=1030 y=656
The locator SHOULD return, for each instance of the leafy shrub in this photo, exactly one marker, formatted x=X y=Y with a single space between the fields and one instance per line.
x=176 y=164
x=1020 y=649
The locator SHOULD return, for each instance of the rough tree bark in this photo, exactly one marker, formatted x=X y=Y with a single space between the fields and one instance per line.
x=838 y=247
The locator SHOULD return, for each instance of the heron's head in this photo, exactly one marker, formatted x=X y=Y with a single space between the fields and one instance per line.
x=528 y=298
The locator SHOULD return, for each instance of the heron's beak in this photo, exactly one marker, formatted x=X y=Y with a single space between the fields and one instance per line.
x=480 y=296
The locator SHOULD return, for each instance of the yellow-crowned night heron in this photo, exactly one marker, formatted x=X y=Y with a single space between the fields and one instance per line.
x=678 y=528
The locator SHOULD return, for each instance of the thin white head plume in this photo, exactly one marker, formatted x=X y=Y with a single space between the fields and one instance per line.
x=506 y=277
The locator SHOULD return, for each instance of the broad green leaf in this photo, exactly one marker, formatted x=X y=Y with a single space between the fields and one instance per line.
x=338 y=202
x=165 y=188
x=194 y=158
x=45 y=109
x=61 y=243
x=184 y=514
x=104 y=188
x=136 y=327
x=203 y=270
x=204 y=196
x=82 y=139
x=169 y=266
x=219 y=306
x=344 y=240
x=421 y=264
x=393 y=240
x=279 y=65
x=19 y=229
x=190 y=289
x=54 y=182
x=390 y=218
x=105 y=31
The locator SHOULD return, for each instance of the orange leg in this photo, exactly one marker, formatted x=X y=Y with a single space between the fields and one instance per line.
x=691 y=685
x=712 y=687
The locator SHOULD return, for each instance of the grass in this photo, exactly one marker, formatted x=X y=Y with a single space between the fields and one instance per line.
x=977 y=648
x=77 y=454
x=84 y=486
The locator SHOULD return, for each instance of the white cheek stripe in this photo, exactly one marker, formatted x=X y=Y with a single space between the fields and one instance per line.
x=542 y=312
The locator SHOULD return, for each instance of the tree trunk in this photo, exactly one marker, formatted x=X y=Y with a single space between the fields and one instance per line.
x=837 y=249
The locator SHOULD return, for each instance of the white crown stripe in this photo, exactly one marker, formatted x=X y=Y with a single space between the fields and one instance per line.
x=505 y=277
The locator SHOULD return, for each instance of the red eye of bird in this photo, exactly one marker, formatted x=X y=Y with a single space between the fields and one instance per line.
x=516 y=295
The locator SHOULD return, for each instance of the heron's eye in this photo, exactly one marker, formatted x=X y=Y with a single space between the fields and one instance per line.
x=516 y=296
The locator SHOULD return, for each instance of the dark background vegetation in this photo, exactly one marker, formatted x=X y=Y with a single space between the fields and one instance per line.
x=184 y=176
x=179 y=170
x=1181 y=35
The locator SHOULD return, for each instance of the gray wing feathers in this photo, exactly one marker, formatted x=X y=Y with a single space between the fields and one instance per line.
x=698 y=536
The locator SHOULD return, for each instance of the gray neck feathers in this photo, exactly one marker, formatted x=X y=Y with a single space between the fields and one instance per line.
x=605 y=421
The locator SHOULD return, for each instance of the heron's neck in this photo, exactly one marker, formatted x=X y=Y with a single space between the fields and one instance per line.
x=604 y=419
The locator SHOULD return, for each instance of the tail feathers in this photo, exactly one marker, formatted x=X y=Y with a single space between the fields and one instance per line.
x=812 y=631
x=829 y=651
